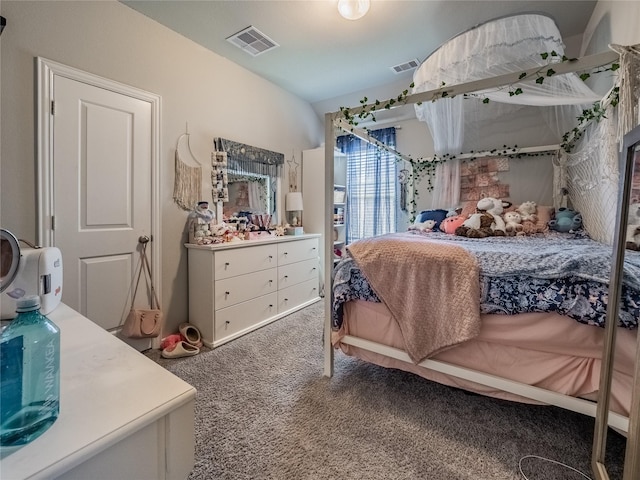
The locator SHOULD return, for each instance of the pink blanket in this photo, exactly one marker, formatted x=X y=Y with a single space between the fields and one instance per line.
x=431 y=288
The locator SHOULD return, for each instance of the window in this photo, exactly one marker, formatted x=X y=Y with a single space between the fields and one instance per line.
x=371 y=185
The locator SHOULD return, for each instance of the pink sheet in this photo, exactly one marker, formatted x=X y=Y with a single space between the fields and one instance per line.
x=546 y=350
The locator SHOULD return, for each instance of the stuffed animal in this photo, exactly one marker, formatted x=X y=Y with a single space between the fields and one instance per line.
x=527 y=211
x=633 y=227
x=566 y=221
x=426 y=226
x=449 y=224
x=478 y=225
x=454 y=212
x=513 y=223
x=495 y=208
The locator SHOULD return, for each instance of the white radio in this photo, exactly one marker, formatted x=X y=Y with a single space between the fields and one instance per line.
x=28 y=271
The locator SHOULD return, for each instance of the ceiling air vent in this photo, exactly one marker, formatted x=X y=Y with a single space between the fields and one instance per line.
x=403 y=67
x=252 y=41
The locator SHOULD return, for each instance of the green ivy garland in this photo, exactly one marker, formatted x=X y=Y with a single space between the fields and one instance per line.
x=421 y=167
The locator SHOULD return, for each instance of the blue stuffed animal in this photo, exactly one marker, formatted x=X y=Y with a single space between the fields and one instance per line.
x=566 y=220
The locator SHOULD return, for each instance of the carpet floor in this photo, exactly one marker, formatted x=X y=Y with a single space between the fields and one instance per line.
x=265 y=411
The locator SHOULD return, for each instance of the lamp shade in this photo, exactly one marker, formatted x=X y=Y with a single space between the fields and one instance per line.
x=293 y=202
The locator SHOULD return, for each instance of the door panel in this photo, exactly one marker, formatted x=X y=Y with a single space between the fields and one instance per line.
x=101 y=195
x=97 y=295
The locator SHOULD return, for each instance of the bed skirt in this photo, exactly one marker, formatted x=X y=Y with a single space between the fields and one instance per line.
x=546 y=350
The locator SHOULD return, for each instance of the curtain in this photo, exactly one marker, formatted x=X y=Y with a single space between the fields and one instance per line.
x=371 y=185
x=546 y=102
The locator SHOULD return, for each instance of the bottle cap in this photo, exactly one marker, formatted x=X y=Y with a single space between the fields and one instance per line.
x=28 y=303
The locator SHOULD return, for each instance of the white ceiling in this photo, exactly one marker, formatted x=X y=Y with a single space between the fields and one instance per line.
x=322 y=56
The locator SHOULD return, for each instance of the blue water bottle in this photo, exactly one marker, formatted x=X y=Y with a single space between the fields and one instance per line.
x=29 y=375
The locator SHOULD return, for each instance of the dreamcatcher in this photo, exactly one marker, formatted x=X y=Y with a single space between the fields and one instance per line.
x=187 y=186
x=403 y=178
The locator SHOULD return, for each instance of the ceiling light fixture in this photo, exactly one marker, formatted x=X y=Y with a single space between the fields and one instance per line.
x=353 y=9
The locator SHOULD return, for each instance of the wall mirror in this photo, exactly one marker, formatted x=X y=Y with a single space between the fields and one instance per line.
x=626 y=243
x=254 y=177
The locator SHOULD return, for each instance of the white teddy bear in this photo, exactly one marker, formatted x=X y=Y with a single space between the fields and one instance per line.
x=527 y=211
x=513 y=223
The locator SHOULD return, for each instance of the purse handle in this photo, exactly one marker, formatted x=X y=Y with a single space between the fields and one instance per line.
x=144 y=264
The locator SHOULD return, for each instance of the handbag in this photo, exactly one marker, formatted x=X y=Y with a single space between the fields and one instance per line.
x=144 y=322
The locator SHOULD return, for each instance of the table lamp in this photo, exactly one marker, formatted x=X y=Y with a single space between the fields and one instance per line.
x=293 y=206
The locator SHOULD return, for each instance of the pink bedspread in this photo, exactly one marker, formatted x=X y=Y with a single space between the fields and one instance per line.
x=414 y=276
x=546 y=350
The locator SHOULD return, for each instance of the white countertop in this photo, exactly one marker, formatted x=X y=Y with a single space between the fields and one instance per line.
x=108 y=390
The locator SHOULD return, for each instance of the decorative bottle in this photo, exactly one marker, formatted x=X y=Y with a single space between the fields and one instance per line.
x=29 y=375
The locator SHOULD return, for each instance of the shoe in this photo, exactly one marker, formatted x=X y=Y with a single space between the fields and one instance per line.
x=179 y=350
x=191 y=334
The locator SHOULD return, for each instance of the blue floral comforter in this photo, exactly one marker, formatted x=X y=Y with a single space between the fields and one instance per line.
x=563 y=273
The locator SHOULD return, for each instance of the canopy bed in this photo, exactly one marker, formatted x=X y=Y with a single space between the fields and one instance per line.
x=519 y=318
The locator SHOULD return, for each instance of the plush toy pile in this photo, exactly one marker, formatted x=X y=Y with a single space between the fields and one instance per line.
x=496 y=217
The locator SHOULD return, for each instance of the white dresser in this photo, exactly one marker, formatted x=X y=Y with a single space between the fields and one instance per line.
x=121 y=414
x=237 y=287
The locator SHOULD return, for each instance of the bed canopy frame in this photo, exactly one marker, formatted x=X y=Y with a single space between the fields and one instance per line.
x=480 y=87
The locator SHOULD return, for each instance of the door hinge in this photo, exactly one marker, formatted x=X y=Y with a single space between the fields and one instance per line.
x=53 y=107
x=53 y=222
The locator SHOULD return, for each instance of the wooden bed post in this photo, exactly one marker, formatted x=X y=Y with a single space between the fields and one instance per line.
x=329 y=146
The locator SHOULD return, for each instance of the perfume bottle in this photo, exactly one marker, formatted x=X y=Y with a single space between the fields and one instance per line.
x=29 y=374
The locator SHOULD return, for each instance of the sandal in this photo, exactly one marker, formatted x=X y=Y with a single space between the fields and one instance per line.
x=179 y=350
x=191 y=334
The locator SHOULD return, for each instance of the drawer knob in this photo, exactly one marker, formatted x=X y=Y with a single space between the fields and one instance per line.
x=313 y=269
x=286 y=299
x=270 y=282
x=313 y=248
x=271 y=305
x=226 y=293
x=285 y=254
x=270 y=257
x=226 y=264
x=286 y=276
x=227 y=322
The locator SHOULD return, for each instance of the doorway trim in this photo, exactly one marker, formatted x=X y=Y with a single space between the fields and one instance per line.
x=46 y=71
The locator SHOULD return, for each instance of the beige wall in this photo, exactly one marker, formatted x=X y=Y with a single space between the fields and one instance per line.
x=214 y=96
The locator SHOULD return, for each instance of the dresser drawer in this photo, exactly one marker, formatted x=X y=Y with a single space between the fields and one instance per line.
x=291 y=252
x=294 y=273
x=241 y=288
x=230 y=263
x=237 y=318
x=295 y=295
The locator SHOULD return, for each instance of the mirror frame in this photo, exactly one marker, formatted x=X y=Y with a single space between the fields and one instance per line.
x=630 y=150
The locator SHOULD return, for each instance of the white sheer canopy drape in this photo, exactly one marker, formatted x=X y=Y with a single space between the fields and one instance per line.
x=505 y=45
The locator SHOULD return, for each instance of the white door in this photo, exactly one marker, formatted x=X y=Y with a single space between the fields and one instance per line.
x=102 y=202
